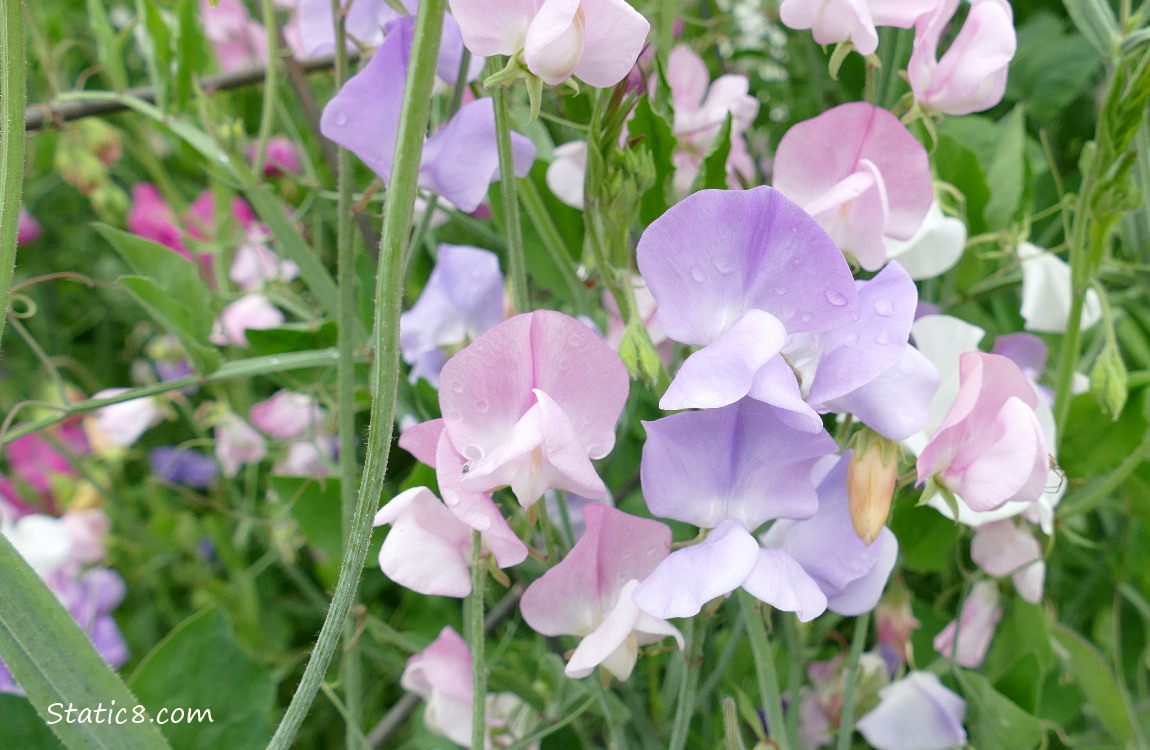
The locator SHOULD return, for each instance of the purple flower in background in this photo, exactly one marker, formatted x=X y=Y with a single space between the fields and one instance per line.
x=849 y=572
x=28 y=230
x=459 y=162
x=916 y=713
x=730 y=469
x=463 y=298
x=183 y=466
x=736 y=272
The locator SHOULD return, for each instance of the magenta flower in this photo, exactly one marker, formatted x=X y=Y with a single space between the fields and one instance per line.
x=282 y=156
x=588 y=594
x=428 y=549
x=971 y=76
x=463 y=298
x=990 y=448
x=152 y=218
x=239 y=41
x=1005 y=548
x=597 y=41
x=251 y=312
x=979 y=617
x=861 y=174
x=363 y=117
x=916 y=713
x=35 y=461
x=730 y=469
x=735 y=272
x=28 y=230
x=833 y=21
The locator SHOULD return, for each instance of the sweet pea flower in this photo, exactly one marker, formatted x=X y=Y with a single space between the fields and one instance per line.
x=363 y=117
x=1047 y=294
x=934 y=249
x=851 y=573
x=314 y=457
x=282 y=155
x=731 y=469
x=990 y=447
x=256 y=265
x=121 y=425
x=202 y=220
x=971 y=75
x=428 y=549
x=567 y=171
x=183 y=466
x=833 y=21
x=237 y=444
x=701 y=107
x=588 y=594
x=979 y=617
x=528 y=405
x=1006 y=548
x=736 y=272
x=289 y=416
x=861 y=174
x=894 y=624
x=40 y=539
x=916 y=713
x=250 y=312
x=463 y=298
x=28 y=230
x=239 y=41
x=152 y=218
x=597 y=41
x=35 y=461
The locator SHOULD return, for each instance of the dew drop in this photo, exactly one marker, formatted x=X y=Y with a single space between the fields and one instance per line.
x=805 y=317
x=789 y=311
x=836 y=297
x=884 y=307
x=883 y=338
x=473 y=452
x=697 y=274
x=724 y=263
x=274 y=361
x=453 y=416
x=481 y=405
x=851 y=339
x=780 y=290
x=457 y=386
x=340 y=119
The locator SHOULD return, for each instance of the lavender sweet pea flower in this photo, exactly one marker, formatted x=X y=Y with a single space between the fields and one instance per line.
x=730 y=469
x=459 y=162
x=463 y=298
x=183 y=466
x=849 y=572
x=588 y=594
x=735 y=272
x=916 y=713
x=28 y=230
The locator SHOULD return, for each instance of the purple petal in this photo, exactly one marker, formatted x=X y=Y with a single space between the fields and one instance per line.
x=781 y=582
x=183 y=466
x=915 y=713
x=896 y=403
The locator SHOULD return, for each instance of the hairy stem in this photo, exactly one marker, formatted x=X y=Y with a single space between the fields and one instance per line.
x=516 y=260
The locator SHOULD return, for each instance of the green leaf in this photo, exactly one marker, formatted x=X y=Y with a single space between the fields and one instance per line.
x=154 y=39
x=993 y=719
x=1095 y=21
x=1051 y=68
x=925 y=538
x=55 y=663
x=1094 y=676
x=315 y=506
x=960 y=166
x=191 y=51
x=200 y=666
x=653 y=132
x=106 y=44
x=169 y=287
x=713 y=173
x=1008 y=173
x=21 y=727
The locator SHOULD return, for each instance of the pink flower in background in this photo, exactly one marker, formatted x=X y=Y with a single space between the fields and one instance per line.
x=289 y=416
x=980 y=615
x=239 y=41
x=152 y=218
x=203 y=224
x=861 y=174
x=916 y=713
x=596 y=41
x=28 y=230
x=35 y=461
x=833 y=21
x=701 y=108
x=121 y=425
x=1006 y=548
x=971 y=76
x=282 y=156
x=237 y=444
x=250 y=312
x=428 y=549
x=255 y=264
x=588 y=594
x=315 y=457
x=441 y=675
x=990 y=448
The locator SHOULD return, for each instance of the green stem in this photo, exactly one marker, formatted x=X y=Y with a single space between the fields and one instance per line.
x=271 y=82
x=516 y=259
x=768 y=678
x=1110 y=483
x=618 y=737
x=385 y=377
x=552 y=242
x=475 y=642
x=847 y=722
x=689 y=687
x=11 y=142
x=794 y=646
x=352 y=678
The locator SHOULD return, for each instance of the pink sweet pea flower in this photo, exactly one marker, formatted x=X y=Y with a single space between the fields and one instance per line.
x=309 y=458
x=862 y=176
x=980 y=616
x=971 y=76
x=237 y=444
x=28 y=230
x=289 y=416
x=833 y=21
x=201 y=217
x=916 y=713
x=1004 y=548
x=239 y=41
x=255 y=264
x=428 y=549
x=588 y=594
x=152 y=218
x=598 y=41
x=441 y=675
x=35 y=461
x=282 y=156
x=248 y=313
x=990 y=448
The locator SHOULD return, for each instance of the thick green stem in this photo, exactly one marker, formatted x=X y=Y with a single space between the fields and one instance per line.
x=11 y=142
x=689 y=687
x=389 y=298
x=1071 y=342
x=516 y=259
x=847 y=720
x=765 y=672
x=476 y=639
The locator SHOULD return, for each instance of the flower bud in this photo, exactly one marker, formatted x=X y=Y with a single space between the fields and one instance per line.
x=871 y=478
x=1108 y=381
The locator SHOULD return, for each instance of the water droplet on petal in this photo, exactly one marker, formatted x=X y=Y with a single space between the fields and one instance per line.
x=457 y=386
x=453 y=416
x=340 y=119
x=851 y=339
x=697 y=274
x=836 y=298
x=884 y=307
x=473 y=452
x=883 y=338
x=481 y=405
x=805 y=317
x=789 y=311
x=724 y=262
x=780 y=290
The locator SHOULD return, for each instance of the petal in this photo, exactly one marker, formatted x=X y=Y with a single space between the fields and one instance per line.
x=1046 y=292
x=897 y=403
x=554 y=41
x=934 y=249
x=781 y=582
x=427 y=549
x=614 y=35
x=493 y=27
x=688 y=78
x=862 y=594
x=567 y=171
x=775 y=384
x=915 y=713
x=980 y=616
x=854 y=212
x=693 y=576
x=422 y=440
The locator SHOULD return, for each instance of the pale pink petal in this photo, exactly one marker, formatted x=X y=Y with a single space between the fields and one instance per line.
x=980 y=616
x=441 y=674
x=493 y=27
x=554 y=40
x=288 y=415
x=422 y=440
x=614 y=36
x=427 y=549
